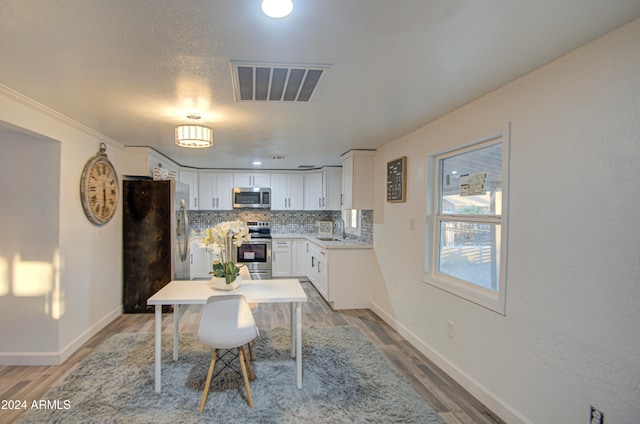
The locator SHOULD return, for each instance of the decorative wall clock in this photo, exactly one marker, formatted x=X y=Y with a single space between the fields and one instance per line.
x=99 y=188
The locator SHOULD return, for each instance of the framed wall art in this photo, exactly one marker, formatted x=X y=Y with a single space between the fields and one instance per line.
x=397 y=180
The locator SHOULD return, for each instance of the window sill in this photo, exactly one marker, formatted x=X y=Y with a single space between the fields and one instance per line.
x=478 y=295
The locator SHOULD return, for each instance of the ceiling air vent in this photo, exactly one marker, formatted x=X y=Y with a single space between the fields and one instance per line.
x=276 y=82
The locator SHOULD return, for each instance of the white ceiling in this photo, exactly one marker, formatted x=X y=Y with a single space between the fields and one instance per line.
x=133 y=69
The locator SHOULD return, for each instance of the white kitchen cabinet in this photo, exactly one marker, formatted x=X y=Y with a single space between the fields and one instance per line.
x=289 y=257
x=313 y=191
x=342 y=276
x=299 y=258
x=214 y=190
x=317 y=263
x=357 y=179
x=322 y=189
x=252 y=179
x=201 y=260
x=287 y=191
x=140 y=161
x=190 y=178
x=281 y=258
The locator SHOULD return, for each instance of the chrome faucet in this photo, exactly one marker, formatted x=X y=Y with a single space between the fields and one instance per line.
x=340 y=223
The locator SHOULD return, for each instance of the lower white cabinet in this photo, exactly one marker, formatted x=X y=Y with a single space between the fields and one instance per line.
x=317 y=265
x=289 y=258
x=281 y=258
x=299 y=258
x=342 y=276
x=201 y=260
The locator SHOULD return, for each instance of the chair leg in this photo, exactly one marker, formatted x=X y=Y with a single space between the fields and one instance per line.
x=250 y=351
x=244 y=376
x=246 y=361
x=208 y=382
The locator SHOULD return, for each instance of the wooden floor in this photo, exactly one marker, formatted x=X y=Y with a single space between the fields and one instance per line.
x=454 y=404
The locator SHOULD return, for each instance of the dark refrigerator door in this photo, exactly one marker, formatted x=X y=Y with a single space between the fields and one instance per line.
x=146 y=241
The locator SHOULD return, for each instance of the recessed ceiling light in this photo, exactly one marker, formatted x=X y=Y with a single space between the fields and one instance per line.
x=277 y=8
x=257 y=162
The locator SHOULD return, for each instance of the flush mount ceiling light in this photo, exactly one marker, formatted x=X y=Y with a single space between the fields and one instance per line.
x=194 y=136
x=277 y=8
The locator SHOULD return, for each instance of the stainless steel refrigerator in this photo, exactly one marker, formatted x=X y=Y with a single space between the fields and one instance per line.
x=155 y=237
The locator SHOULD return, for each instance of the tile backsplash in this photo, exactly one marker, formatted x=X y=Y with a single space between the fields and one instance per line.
x=283 y=222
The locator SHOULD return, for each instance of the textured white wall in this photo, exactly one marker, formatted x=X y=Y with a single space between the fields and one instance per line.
x=29 y=181
x=571 y=335
x=90 y=257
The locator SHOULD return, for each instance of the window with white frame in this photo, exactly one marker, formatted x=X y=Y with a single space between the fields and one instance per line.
x=467 y=235
x=352 y=221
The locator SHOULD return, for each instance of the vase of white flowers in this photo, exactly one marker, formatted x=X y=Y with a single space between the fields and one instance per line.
x=220 y=240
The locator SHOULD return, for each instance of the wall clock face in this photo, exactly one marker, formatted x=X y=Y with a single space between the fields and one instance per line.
x=99 y=188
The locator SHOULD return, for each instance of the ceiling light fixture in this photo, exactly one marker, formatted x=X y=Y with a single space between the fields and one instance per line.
x=194 y=136
x=277 y=8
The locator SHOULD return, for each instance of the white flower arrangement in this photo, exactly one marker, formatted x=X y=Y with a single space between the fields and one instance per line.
x=220 y=240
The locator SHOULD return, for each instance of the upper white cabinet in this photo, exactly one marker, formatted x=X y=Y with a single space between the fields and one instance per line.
x=251 y=179
x=140 y=161
x=357 y=179
x=313 y=191
x=214 y=190
x=190 y=178
x=287 y=191
x=322 y=189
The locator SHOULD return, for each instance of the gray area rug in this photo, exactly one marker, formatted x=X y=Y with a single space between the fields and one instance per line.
x=345 y=380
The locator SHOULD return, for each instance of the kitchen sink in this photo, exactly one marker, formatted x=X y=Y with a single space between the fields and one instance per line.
x=329 y=239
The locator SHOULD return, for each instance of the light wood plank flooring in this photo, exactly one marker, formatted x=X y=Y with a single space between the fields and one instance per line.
x=454 y=404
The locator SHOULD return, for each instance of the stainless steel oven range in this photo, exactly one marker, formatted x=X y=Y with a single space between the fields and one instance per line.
x=256 y=254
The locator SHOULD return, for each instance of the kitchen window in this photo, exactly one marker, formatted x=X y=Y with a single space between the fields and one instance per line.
x=352 y=221
x=466 y=247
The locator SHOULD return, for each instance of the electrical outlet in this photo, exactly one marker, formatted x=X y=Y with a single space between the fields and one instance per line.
x=597 y=416
x=450 y=328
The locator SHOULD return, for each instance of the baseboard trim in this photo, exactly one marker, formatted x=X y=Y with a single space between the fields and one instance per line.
x=57 y=358
x=90 y=332
x=495 y=404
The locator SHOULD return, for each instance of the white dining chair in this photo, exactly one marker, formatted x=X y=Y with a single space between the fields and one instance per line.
x=227 y=323
x=246 y=275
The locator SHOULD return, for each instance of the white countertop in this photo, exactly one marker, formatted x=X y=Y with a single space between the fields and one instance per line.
x=341 y=244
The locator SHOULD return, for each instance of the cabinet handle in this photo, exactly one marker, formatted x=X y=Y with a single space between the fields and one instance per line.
x=195 y=202
x=213 y=203
x=341 y=199
x=319 y=202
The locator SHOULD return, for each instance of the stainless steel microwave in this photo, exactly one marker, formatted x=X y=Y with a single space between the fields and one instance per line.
x=251 y=197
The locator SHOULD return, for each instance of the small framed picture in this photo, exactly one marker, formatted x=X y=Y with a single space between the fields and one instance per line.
x=397 y=180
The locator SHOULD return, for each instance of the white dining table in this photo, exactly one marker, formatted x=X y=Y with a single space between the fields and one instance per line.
x=196 y=292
